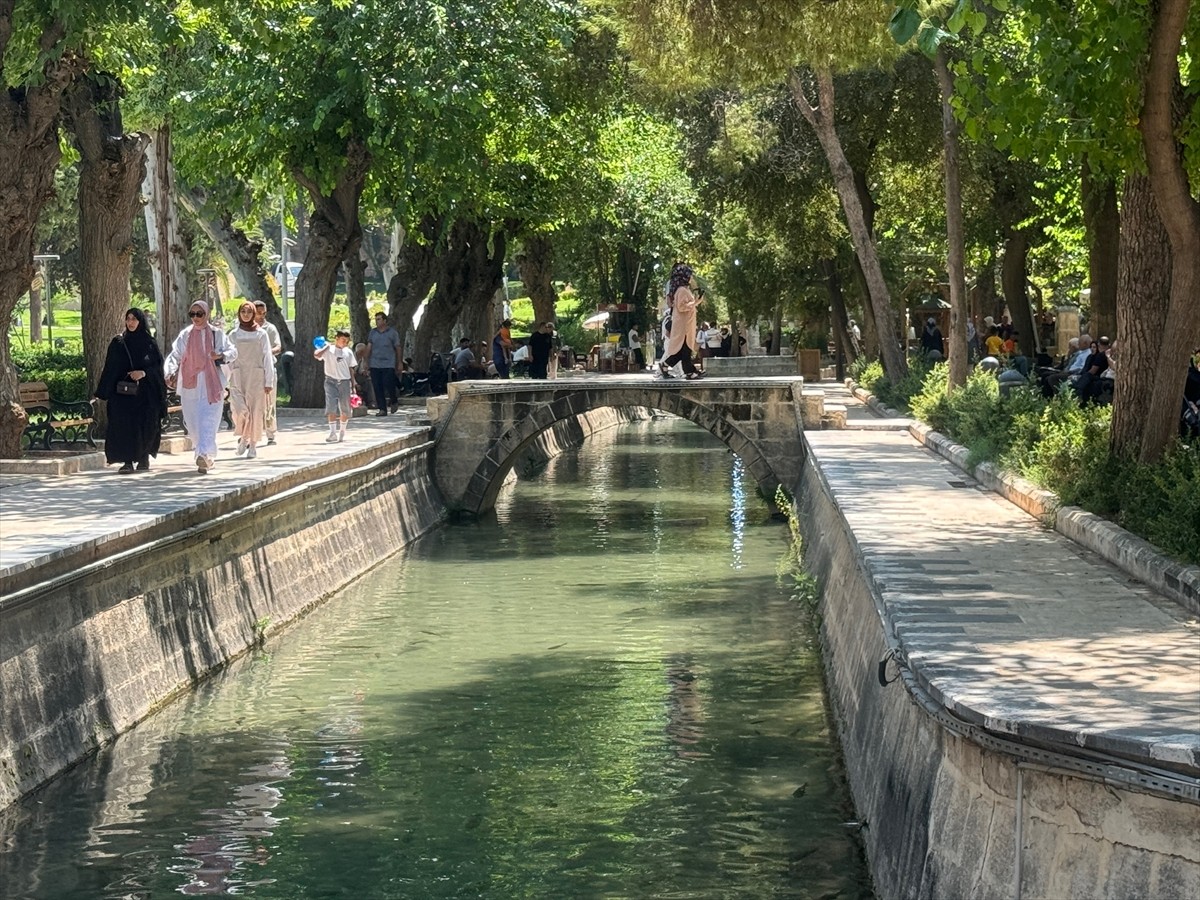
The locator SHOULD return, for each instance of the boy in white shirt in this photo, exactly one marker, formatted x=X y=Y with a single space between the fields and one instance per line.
x=339 y=373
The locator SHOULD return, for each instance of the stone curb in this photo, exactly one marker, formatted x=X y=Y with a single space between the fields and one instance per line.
x=1125 y=550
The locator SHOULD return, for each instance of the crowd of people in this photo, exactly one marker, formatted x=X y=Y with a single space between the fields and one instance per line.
x=203 y=367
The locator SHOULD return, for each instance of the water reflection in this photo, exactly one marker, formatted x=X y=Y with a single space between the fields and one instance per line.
x=234 y=837
x=598 y=691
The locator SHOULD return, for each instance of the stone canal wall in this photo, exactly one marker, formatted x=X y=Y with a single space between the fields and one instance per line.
x=93 y=641
x=107 y=637
x=946 y=808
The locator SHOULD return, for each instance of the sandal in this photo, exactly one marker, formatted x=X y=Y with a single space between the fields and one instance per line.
x=694 y=376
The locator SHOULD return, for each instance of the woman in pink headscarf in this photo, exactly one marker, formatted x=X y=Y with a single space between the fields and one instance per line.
x=195 y=368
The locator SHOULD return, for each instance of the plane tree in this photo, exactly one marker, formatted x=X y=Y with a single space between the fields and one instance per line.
x=333 y=96
x=1113 y=89
x=687 y=44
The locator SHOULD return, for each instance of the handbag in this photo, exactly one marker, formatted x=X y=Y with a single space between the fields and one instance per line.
x=128 y=388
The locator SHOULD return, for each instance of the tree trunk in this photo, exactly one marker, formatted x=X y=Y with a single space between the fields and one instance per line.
x=468 y=273
x=777 y=329
x=30 y=150
x=955 y=264
x=168 y=254
x=112 y=167
x=416 y=271
x=241 y=254
x=1143 y=288
x=1014 y=280
x=895 y=365
x=334 y=232
x=841 y=322
x=1179 y=211
x=983 y=294
x=536 y=265
x=355 y=268
x=1102 y=221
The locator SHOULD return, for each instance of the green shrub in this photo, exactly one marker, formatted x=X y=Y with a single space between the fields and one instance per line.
x=868 y=373
x=1162 y=502
x=64 y=384
x=900 y=393
x=62 y=370
x=41 y=357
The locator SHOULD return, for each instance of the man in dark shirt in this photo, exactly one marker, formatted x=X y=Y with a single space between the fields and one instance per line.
x=1088 y=386
x=540 y=345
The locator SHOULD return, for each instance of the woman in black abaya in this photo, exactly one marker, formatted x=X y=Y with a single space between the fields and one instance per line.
x=134 y=420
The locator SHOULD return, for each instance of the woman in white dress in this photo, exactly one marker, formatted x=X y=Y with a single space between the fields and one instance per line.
x=251 y=380
x=194 y=369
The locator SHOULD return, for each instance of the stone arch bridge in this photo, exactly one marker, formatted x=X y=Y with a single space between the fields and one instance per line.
x=483 y=428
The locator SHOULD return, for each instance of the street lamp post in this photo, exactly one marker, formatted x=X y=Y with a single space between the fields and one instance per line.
x=42 y=259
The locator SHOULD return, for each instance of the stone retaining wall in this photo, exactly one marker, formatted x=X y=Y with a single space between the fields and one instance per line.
x=945 y=814
x=85 y=658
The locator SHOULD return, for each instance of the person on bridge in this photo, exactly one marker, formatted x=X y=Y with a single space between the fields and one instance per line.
x=502 y=348
x=683 y=302
x=635 y=349
x=541 y=344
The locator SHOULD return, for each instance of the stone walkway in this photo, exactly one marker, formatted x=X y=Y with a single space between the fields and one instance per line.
x=1011 y=625
x=47 y=515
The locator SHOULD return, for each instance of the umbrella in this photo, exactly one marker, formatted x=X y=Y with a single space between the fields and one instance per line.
x=596 y=321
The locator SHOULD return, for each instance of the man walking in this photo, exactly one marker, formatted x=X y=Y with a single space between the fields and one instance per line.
x=635 y=349
x=384 y=360
x=269 y=417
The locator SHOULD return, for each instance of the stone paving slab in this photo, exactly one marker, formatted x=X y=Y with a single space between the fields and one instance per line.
x=1010 y=625
x=46 y=516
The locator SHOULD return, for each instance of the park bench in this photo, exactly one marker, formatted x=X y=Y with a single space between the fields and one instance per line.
x=54 y=420
x=173 y=421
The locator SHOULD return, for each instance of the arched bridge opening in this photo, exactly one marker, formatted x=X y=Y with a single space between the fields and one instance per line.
x=482 y=429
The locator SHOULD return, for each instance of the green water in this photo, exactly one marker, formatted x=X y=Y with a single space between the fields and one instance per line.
x=603 y=691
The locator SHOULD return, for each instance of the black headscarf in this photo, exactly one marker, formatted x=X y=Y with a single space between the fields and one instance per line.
x=681 y=276
x=137 y=341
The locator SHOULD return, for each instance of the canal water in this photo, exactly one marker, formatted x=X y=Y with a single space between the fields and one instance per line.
x=605 y=690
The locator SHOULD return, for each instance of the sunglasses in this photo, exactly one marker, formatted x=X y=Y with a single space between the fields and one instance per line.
x=196 y=315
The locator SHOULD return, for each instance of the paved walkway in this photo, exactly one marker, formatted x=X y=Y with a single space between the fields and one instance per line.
x=1009 y=624
x=47 y=514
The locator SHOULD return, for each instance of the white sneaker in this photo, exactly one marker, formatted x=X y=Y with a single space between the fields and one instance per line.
x=341 y=436
x=271 y=441
x=331 y=438
x=241 y=448
x=251 y=452
x=202 y=465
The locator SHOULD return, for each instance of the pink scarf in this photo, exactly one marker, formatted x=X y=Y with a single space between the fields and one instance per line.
x=197 y=358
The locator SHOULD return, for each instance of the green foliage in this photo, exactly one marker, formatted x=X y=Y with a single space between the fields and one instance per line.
x=868 y=373
x=62 y=371
x=899 y=394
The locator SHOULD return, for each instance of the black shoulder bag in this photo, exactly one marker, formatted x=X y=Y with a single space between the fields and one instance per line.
x=124 y=387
